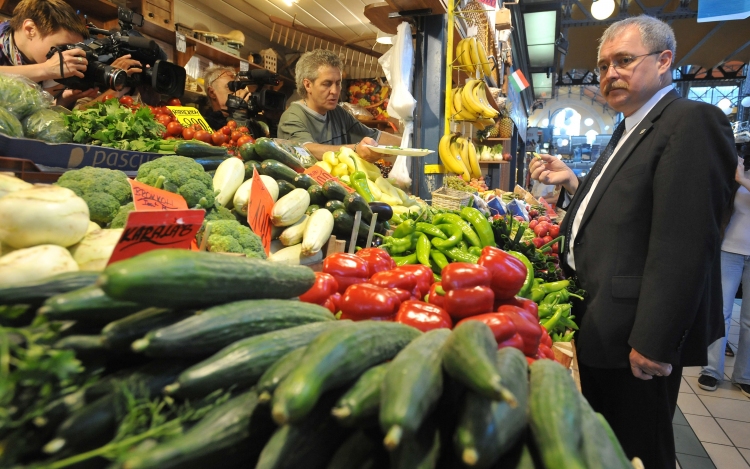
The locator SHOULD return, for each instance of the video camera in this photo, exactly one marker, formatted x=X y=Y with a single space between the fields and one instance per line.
x=164 y=77
x=260 y=100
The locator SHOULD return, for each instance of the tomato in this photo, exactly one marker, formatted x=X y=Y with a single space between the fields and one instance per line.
x=152 y=109
x=203 y=136
x=538 y=242
x=554 y=231
x=226 y=145
x=197 y=127
x=532 y=224
x=109 y=96
x=245 y=139
x=244 y=130
x=164 y=120
x=164 y=110
x=547 y=239
x=174 y=128
x=188 y=133
x=226 y=130
x=544 y=218
x=232 y=125
x=218 y=138
x=541 y=229
x=126 y=100
x=174 y=102
x=236 y=134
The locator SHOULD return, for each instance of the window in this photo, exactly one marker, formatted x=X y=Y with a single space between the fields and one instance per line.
x=715 y=94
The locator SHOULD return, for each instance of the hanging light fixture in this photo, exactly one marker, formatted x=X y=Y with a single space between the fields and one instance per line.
x=602 y=9
x=384 y=38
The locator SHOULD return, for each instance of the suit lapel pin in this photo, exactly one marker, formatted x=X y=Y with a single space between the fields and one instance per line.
x=642 y=131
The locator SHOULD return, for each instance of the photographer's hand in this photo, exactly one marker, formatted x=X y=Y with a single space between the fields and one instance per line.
x=69 y=97
x=740 y=174
x=129 y=65
x=74 y=63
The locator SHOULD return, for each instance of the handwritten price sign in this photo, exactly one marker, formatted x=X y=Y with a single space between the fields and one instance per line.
x=321 y=176
x=150 y=198
x=188 y=116
x=259 y=211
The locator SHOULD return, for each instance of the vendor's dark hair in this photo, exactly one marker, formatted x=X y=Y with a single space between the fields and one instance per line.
x=308 y=65
x=49 y=16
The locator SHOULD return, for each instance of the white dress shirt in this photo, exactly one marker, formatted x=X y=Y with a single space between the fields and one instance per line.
x=630 y=123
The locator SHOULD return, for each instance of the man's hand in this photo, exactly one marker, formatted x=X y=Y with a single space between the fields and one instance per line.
x=126 y=63
x=645 y=368
x=364 y=152
x=550 y=170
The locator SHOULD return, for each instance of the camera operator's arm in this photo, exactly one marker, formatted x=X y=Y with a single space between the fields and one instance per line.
x=68 y=97
x=73 y=64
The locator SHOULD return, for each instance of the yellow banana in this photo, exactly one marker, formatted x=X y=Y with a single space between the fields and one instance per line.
x=474 y=54
x=474 y=161
x=483 y=123
x=456 y=151
x=468 y=101
x=483 y=60
x=466 y=59
x=480 y=96
x=446 y=155
x=451 y=105
x=463 y=113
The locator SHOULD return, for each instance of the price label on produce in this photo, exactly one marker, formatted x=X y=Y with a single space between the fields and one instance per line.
x=150 y=198
x=164 y=229
x=188 y=116
x=259 y=211
x=321 y=176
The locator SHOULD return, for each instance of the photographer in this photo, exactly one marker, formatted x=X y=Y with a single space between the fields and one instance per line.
x=216 y=80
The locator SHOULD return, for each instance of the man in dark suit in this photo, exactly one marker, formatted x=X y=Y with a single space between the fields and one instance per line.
x=642 y=235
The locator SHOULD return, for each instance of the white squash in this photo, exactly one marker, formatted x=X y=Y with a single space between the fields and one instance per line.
x=293 y=234
x=10 y=184
x=36 y=263
x=289 y=209
x=227 y=180
x=318 y=230
x=95 y=249
x=242 y=195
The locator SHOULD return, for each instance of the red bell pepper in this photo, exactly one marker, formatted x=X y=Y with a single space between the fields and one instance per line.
x=423 y=316
x=378 y=260
x=527 y=326
x=500 y=324
x=434 y=297
x=546 y=352
x=331 y=305
x=508 y=273
x=528 y=305
x=516 y=342
x=546 y=339
x=467 y=290
x=366 y=301
x=463 y=275
x=424 y=275
x=404 y=295
x=348 y=269
x=401 y=279
x=325 y=285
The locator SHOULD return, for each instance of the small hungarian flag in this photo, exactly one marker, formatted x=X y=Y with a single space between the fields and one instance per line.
x=518 y=81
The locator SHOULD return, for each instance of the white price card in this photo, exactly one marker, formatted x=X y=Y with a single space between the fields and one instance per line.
x=244 y=66
x=180 y=43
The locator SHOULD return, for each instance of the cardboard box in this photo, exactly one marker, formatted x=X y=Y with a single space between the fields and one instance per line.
x=502 y=19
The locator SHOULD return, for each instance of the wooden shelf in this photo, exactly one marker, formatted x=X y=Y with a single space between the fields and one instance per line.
x=164 y=33
x=101 y=9
x=494 y=162
x=495 y=139
x=377 y=13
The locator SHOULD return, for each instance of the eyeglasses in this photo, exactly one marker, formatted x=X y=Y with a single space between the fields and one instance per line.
x=221 y=75
x=622 y=63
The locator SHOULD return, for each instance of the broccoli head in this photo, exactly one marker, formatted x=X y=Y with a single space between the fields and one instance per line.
x=231 y=236
x=104 y=191
x=182 y=176
x=122 y=216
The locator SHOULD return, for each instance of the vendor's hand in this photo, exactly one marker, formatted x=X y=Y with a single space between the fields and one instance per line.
x=74 y=64
x=69 y=97
x=129 y=65
x=550 y=170
x=740 y=175
x=364 y=152
x=645 y=368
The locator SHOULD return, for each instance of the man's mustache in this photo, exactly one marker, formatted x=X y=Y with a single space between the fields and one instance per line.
x=617 y=85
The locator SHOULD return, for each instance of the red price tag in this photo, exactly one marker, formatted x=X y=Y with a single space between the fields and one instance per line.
x=321 y=176
x=150 y=198
x=259 y=211
x=164 y=229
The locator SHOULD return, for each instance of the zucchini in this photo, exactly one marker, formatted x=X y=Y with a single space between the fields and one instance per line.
x=317 y=232
x=317 y=196
x=178 y=278
x=244 y=362
x=355 y=452
x=311 y=209
x=470 y=359
x=362 y=400
x=356 y=203
x=304 y=181
x=285 y=187
x=242 y=194
x=228 y=429
x=333 y=205
x=278 y=171
x=81 y=344
x=248 y=153
x=88 y=304
x=335 y=358
x=211 y=163
x=227 y=179
x=249 y=165
x=195 y=149
x=215 y=328
x=35 y=292
x=276 y=372
x=290 y=208
x=555 y=415
x=293 y=234
x=384 y=211
x=343 y=222
x=412 y=387
x=118 y=335
x=333 y=190
x=420 y=451
x=283 y=151
x=488 y=429
x=600 y=445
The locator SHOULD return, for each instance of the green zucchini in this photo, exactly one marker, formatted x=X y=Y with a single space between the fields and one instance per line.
x=244 y=362
x=412 y=386
x=195 y=149
x=283 y=151
x=230 y=428
x=355 y=452
x=356 y=203
x=278 y=371
x=600 y=445
x=522 y=456
x=285 y=187
x=248 y=153
x=35 y=292
x=333 y=205
x=487 y=429
x=213 y=329
x=210 y=163
x=81 y=343
x=333 y=190
x=178 y=278
x=335 y=358
x=249 y=165
x=118 y=335
x=278 y=171
x=317 y=196
x=304 y=181
x=89 y=304
x=343 y=223
x=470 y=359
x=420 y=451
x=310 y=210
x=361 y=401
x=555 y=415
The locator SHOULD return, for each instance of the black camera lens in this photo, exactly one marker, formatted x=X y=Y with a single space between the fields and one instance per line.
x=106 y=76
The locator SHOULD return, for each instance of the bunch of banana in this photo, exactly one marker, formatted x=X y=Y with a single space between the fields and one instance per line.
x=459 y=155
x=468 y=103
x=471 y=54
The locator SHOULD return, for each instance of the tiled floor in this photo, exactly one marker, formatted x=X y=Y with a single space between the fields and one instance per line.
x=712 y=429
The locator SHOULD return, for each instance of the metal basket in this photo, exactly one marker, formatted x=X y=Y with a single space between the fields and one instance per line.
x=450 y=199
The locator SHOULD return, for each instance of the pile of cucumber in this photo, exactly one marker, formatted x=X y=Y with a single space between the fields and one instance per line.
x=307 y=390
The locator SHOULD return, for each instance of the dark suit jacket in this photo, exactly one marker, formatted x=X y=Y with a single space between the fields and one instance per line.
x=647 y=249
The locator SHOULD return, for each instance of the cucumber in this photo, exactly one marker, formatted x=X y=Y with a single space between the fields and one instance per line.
x=195 y=149
x=248 y=153
x=278 y=171
x=233 y=427
x=555 y=415
x=600 y=445
x=487 y=429
x=278 y=371
x=304 y=181
x=81 y=344
x=89 y=304
x=420 y=451
x=118 y=335
x=249 y=165
x=285 y=187
x=178 y=278
x=412 y=386
x=335 y=358
x=317 y=196
x=356 y=203
x=334 y=190
x=522 y=456
x=310 y=210
x=333 y=205
x=283 y=151
x=244 y=362
x=343 y=223
x=213 y=329
x=470 y=359
x=35 y=292
x=357 y=451
x=211 y=163
x=361 y=401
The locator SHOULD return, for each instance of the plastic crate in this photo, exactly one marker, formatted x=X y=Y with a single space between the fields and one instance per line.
x=28 y=171
x=450 y=199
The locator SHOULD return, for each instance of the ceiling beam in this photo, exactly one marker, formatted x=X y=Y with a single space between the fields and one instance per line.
x=683 y=61
x=737 y=51
x=681 y=13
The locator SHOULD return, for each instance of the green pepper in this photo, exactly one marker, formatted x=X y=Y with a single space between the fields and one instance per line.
x=463 y=246
x=567 y=337
x=436 y=278
x=405 y=229
x=430 y=229
x=436 y=270
x=477 y=251
x=567 y=322
x=481 y=225
x=423 y=249
x=456 y=234
x=404 y=260
x=540 y=290
x=468 y=231
x=554 y=321
x=439 y=258
x=546 y=310
x=399 y=245
x=459 y=256
x=559 y=297
x=358 y=181
x=525 y=291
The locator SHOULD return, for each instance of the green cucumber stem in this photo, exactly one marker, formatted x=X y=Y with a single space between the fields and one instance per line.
x=470 y=456
x=393 y=438
x=54 y=446
x=265 y=396
x=43 y=310
x=341 y=413
x=279 y=414
x=171 y=388
x=508 y=397
x=139 y=345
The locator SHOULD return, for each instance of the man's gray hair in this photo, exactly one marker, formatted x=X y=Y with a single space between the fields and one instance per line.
x=211 y=74
x=656 y=35
x=308 y=65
